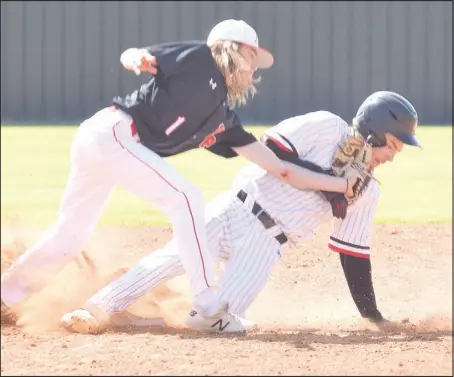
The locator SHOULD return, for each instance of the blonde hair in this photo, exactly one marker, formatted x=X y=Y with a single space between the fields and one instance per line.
x=229 y=60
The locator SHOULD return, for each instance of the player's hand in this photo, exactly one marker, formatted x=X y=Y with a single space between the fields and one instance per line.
x=387 y=325
x=139 y=60
x=338 y=203
x=350 y=189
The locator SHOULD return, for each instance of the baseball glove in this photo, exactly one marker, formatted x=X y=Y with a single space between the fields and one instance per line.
x=353 y=158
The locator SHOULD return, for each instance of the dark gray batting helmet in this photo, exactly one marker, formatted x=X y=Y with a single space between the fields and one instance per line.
x=383 y=112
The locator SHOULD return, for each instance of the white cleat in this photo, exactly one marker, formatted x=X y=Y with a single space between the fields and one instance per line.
x=221 y=322
x=249 y=325
x=81 y=321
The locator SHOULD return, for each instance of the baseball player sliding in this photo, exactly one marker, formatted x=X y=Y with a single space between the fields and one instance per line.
x=186 y=104
x=250 y=226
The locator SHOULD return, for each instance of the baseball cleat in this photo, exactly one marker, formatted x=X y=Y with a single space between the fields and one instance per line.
x=81 y=321
x=86 y=322
x=249 y=325
x=221 y=322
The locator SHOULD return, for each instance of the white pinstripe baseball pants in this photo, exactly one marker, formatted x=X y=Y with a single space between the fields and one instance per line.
x=235 y=236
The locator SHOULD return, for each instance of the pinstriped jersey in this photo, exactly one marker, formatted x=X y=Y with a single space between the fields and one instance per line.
x=316 y=137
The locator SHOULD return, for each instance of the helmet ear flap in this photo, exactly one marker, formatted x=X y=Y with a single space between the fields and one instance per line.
x=373 y=138
x=376 y=139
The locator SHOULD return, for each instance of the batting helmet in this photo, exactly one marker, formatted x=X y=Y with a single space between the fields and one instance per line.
x=383 y=112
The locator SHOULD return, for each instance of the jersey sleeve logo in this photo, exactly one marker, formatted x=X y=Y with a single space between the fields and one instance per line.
x=210 y=140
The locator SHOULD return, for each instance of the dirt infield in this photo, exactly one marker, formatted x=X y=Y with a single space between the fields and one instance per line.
x=308 y=324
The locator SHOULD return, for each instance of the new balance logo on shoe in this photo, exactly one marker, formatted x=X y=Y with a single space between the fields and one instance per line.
x=221 y=326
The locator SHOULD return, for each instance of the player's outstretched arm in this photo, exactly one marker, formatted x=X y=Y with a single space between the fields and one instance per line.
x=296 y=176
x=306 y=175
x=358 y=272
x=301 y=178
x=359 y=278
x=305 y=179
x=262 y=156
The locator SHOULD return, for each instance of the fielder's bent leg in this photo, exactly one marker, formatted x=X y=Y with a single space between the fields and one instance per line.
x=83 y=200
x=157 y=267
x=146 y=174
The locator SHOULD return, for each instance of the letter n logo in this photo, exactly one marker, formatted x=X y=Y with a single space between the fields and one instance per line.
x=221 y=327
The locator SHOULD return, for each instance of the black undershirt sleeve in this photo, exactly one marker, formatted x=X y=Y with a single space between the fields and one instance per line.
x=358 y=272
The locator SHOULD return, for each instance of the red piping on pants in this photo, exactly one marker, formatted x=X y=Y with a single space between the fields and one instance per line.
x=133 y=127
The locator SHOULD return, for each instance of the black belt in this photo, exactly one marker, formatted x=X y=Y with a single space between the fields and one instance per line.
x=264 y=218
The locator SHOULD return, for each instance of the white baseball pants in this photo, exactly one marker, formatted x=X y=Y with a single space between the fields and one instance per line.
x=235 y=236
x=105 y=152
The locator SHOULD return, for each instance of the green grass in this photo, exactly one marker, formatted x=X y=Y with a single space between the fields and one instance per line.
x=416 y=187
